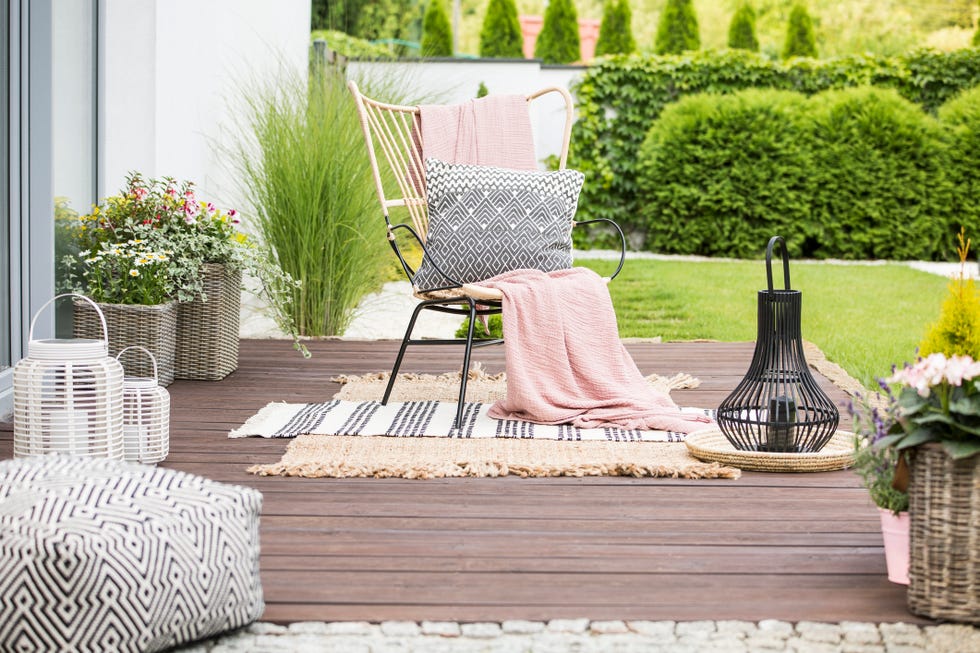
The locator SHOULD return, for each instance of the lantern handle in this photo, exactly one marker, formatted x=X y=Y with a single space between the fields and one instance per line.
x=772 y=243
x=98 y=311
x=156 y=375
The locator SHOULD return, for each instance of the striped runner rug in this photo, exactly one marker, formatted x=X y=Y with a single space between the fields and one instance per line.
x=424 y=418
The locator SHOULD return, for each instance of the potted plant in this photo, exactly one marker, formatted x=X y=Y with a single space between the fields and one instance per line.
x=208 y=318
x=132 y=284
x=937 y=420
x=876 y=464
x=206 y=260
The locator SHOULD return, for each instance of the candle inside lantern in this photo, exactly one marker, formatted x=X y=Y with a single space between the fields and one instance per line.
x=68 y=431
x=780 y=428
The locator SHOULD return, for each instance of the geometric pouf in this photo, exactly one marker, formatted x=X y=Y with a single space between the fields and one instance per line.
x=105 y=555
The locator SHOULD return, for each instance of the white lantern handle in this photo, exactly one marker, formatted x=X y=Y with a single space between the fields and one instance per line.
x=98 y=311
x=156 y=376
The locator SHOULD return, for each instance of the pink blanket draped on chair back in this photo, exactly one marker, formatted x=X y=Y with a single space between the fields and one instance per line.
x=565 y=361
x=489 y=131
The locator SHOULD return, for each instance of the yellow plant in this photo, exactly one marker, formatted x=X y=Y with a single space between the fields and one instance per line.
x=958 y=329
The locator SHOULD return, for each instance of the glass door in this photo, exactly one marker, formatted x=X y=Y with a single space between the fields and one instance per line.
x=6 y=275
x=73 y=124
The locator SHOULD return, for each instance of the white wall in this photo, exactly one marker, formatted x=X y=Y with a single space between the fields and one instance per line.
x=172 y=75
x=458 y=81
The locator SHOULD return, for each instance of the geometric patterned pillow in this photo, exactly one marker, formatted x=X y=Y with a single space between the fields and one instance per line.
x=484 y=221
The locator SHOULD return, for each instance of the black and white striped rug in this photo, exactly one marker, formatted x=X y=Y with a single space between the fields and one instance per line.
x=424 y=418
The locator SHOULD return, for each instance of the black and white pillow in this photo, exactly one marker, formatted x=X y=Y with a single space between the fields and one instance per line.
x=484 y=221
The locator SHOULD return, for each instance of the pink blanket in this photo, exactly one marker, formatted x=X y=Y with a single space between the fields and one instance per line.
x=565 y=361
x=490 y=131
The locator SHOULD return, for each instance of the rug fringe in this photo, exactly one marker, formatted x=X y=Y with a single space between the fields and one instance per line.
x=679 y=381
x=476 y=373
x=256 y=422
x=489 y=469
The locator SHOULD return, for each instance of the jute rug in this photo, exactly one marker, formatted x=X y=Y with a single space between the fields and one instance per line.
x=522 y=449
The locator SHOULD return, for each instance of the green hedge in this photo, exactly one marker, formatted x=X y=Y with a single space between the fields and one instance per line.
x=620 y=97
x=721 y=174
x=961 y=118
x=859 y=173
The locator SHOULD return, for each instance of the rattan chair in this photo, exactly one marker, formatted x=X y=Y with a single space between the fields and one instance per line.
x=391 y=133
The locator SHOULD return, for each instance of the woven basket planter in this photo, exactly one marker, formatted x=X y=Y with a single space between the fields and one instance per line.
x=944 y=509
x=207 y=331
x=153 y=327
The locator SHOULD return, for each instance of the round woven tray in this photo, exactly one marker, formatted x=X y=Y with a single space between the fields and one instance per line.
x=713 y=446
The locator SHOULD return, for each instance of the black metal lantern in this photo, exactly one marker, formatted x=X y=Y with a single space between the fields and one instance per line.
x=778 y=406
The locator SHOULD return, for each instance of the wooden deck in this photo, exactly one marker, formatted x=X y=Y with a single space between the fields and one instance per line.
x=784 y=546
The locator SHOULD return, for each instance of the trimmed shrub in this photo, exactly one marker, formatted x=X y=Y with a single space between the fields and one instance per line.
x=501 y=36
x=677 y=30
x=932 y=78
x=960 y=118
x=558 y=41
x=620 y=97
x=495 y=326
x=880 y=186
x=720 y=174
x=856 y=174
x=351 y=46
x=437 y=35
x=741 y=31
x=800 y=41
x=616 y=29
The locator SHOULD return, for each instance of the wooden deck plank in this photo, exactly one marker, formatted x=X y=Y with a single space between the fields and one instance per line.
x=783 y=546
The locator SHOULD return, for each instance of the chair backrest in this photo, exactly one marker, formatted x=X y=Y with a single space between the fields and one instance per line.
x=392 y=130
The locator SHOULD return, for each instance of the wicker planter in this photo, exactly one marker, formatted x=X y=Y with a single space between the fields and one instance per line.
x=944 y=507
x=153 y=327
x=207 y=331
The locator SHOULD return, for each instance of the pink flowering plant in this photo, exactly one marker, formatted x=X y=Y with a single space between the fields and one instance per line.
x=182 y=232
x=937 y=400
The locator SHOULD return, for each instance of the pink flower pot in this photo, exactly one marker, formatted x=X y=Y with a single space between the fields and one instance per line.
x=895 y=532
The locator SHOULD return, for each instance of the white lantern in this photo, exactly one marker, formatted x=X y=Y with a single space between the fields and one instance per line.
x=146 y=415
x=68 y=396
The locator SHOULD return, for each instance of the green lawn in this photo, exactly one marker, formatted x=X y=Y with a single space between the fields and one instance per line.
x=863 y=317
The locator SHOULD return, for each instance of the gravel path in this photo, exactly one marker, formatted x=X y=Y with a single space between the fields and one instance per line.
x=582 y=635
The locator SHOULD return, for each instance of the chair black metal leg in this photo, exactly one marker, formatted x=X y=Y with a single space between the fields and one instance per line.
x=465 y=373
x=401 y=351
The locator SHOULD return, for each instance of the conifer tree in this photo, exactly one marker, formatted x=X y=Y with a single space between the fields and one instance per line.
x=437 y=35
x=616 y=29
x=958 y=329
x=800 y=41
x=741 y=32
x=558 y=41
x=976 y=36
x=677 y=30
x=501 y=34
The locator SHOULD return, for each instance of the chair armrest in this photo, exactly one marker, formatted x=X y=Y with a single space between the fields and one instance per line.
x=622 y=242
x=407 y=268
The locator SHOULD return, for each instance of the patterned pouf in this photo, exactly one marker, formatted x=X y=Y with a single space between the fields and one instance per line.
x=100 y=555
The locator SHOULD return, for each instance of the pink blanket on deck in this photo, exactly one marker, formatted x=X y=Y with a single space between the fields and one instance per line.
x=565 y=361
x=490 y=131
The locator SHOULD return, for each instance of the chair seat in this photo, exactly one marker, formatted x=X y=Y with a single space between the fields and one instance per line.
x=469 y=290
